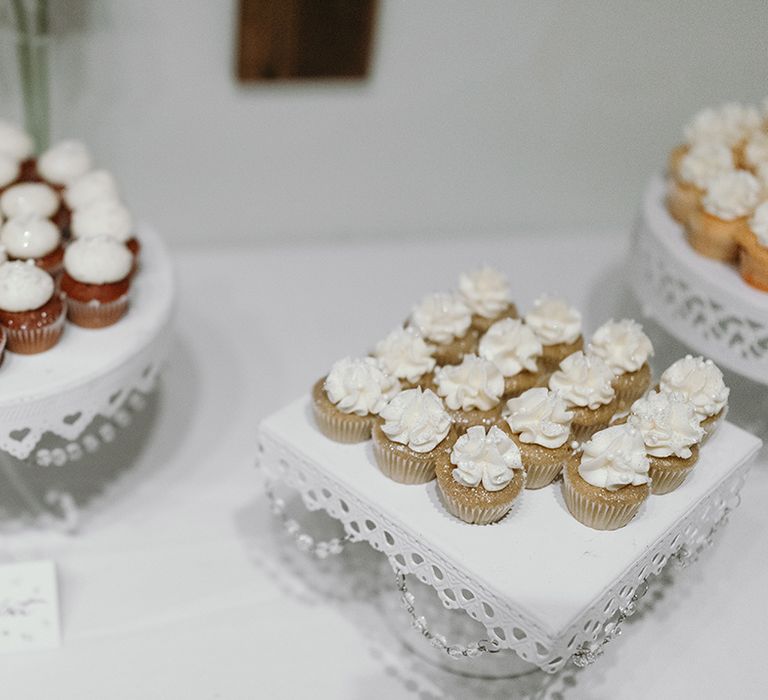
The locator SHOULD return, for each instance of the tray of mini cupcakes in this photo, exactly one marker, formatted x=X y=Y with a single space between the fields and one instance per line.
x=490 y=404
x=68 y=249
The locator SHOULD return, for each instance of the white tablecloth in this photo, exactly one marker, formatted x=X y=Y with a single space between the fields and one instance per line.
x=177 y=585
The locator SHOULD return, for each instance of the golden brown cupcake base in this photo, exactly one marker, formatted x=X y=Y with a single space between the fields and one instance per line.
x=31 y=332
x=667 y=473
x=630 y=386
x=676 y=158
x=481 y=323
x=553 y=355
x=520 y=382
x=453 y=353
x=542 y=464
x=464 y=420
x=682 y=200
x=753 y=261
x=715 y=238
x=586 y=421
x=712 y=423
x=335 y=424
x=425 y=381
x=401 y=464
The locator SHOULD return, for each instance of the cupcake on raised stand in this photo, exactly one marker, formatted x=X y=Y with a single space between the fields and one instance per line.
x=558 y=326
x=63 y=163
x=624 y=347
x=486 y=292
x=515 y=350
x=414 y=431
x=444 y=320
x=715 y=227
x=539 y=422
x=481 y=477
x=347 y=401
x=471 y=391
x=106 y=217
x=753 y=249
x=606 y=487
x=671 y=432
x=36 y=239
x=585 y=382
x=96 y=281
x=31 y=314
x=701 y=382
x=29 y=199
x=407 y=357
x=95 y=186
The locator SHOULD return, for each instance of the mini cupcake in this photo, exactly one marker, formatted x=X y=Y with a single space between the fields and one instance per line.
x=9 y=171
x=31 y=314
x=540 y=424
x=586 y=384
x=444 y=320
x=405 y=355
x=415 y=430
x=481 y=477
x=605 y=489
x=753 y=250
x=106 y=217
x=96 y=281
x=558 y=327
x=701 y=382
x=671 y=432
x=29 y=199
x=515 y=350
x=346 y=402
x=624 y=347
x=36 y=239
x=486 y=292
x=715 y=227
x=63 y=163
x=472 y=392
x=95 y=186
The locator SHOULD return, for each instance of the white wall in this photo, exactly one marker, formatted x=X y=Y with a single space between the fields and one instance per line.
x=480 y=116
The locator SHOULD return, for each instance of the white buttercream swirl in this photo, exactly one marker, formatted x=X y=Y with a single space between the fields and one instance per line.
x=484 y=458
x=756 y=150
x=29 y=237
x=668 y=423
x=554 y=321
x=15 y=142
x=758 y=223
x=97 y=260
x=9 y=169
x=729 y=124
x=104 y=217
x=486 y=291
x=94 y=186
x=700 y=381
x=441 y=317
x=417 y=419
x=622 y=345
x=539 y=416
x=405 y=355
x=705 y=161
x=64 y=162
x=476 y=383
x=511 y=346
x=615 y=457
x=24 y=286
x=359 y=386
x=732 y=195
x=583 y=380
x=29 y=198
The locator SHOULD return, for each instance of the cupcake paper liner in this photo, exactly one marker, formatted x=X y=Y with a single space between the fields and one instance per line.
x=582 y=433
x=339 y=427
x=476 y=515
x=711 y=424
x=94 y=314
x=30 y=341
x=398 y=465
x=597 y=515
x=539 y=475
x=664 y=480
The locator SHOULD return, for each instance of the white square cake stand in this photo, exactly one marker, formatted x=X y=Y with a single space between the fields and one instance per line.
x=541 y=583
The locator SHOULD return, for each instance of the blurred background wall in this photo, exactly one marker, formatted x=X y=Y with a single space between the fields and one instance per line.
x=479 y=117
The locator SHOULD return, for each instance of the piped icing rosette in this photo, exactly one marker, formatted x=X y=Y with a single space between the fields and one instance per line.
x=554 y=321
x=441 y=317
x=485 y=458
x=29 y=237
x=417 y=419
x=97 y=261
x=485 y=291
x=700 y=381
x=94 y=186
x=405 y=355
x=539 y=416
x=705 y=161
x=668 y=424
x=614 y=458
x=511 y=346
x=729 y=124
x=9 y=170
x=24 y=287
x=15 y=142
x=732 y=195
x=622 y=345
x=103 y=218
x=29 y=199
x=64 y=162
x=475 y=384
x=758 y=224
x=584 y=381
x=359 y=386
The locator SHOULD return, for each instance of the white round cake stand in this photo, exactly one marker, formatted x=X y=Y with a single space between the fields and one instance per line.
x=57 y=406
x=703 y=303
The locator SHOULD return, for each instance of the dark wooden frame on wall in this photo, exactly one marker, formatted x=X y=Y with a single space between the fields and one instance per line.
x=304 y=39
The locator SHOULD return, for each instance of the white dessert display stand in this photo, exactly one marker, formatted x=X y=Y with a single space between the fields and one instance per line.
x=541 y=583
x=703 y=303
x=51 y=403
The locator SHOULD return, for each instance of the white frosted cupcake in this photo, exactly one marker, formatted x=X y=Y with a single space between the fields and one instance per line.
x=34 y=238
x=95 y=186
x=444 y=320
x=64 y=162
x=671 y=432
x=471 y=391
x=585 y=382
x=406 y=356
x=106 y=217
x=15 y=142
x=701 y=382
x=481 y=477
x=29 y=199
x=624 y=347
x=346 y=402
x=607 y=487
x=486 y=292
x=540 y=424
x=515 y=350
x=415 y=430
x=558 y=326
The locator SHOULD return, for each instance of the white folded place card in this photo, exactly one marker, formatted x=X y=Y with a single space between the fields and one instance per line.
x=29 y=607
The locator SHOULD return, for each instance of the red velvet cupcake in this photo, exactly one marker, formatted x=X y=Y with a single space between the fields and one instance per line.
x=106 y=217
